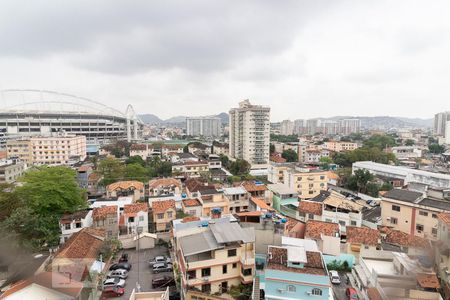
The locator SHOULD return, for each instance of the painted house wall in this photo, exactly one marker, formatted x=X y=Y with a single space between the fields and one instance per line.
x=276 y=283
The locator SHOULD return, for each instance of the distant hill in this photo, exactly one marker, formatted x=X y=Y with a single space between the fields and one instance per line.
x=152 y=119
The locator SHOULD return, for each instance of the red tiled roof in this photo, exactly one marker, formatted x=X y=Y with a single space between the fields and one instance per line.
x=397 y=237
x=125 y=185
x=85 y=243
x=190 y=219
x=310 y=207
x=363 y=235
x=135 y=208
x=261 y=203
x=250 y=214
x=277 y=158
x=103 y=212
x=49 y=280
x=445 y=218
x=162 y=206
x=84 y=168
x=250 y=186
x=428 y=281
x=164 y=182
x=191 y=202
x=138 y=147
x=93 y=177
x=314 y=229
x=278 y=261
x=69 y=217
x=195 y=185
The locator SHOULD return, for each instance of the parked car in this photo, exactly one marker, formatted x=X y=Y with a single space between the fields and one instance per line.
x=114 y=282
x=112 y=291
x=334 y=277
x=351 y=293
x=119 y=273
x=159 y=259
x=121 y=265
x=162 y=267
x=162 y=281
x=123 y=258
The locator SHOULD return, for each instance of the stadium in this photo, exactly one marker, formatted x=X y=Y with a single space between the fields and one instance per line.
x=26 y=113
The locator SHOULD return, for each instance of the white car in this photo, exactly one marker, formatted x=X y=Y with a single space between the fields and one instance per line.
x=114 y=282
x=334 y=277
x=119 y=273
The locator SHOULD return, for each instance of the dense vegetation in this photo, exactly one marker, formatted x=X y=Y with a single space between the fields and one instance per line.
x=284 y=138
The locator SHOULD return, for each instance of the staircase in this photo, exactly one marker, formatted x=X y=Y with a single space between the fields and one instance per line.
x=256 y=291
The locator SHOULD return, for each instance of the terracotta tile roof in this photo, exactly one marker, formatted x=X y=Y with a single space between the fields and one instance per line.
x=125 y=185
x=191 y=202
x=261 y=203
x=309 y=207
x=48 y=280
x=164 y=182
x=103 y=212
x=332 y=175
x=277 y=158
x=314 y=229
x=85 y=243
x=93 y=177
x=373 y=294
x=250 y=186
x=162 y=206
x=428 y=281
x=278 y=261
x=135 y=208
x=84 y=168
x=75 y=216
x=397 y=237
x=138 y=147
x=190 y=219
x=363 y=235
x=250 y=214
x=445 y=218
x=195 y=185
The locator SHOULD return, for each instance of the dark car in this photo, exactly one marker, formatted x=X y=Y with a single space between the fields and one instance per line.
x=120 y=265
x=112 y=291
x=162 y=281
x=124 y=257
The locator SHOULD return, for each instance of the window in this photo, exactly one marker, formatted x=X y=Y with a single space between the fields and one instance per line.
x=342 y=223
x=160 y=216
x=78 y=225
x=206 y=272
x=234 y=265
x=396 y=207
x=316 y=292
x=353 y=223
x=434 y=216
x=169 y=214
x=311 y=192
x=394 y=221
x=434 y=231
x=224 y=269
x=311 y=216
x=291 y=288
x=141 y=218
x=246 y=272
x=192 y=274
x=232 y=252
x=419 y=227
x=131 y=219
x=67 y=226
x=206 y=288
x=423 y=213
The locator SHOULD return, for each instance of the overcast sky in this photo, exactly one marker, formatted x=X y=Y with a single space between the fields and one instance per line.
x=303 y=58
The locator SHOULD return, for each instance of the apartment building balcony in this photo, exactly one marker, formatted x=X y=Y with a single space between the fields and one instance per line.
x=248 y=258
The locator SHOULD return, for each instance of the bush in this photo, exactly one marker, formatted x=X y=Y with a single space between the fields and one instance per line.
x=339 y=266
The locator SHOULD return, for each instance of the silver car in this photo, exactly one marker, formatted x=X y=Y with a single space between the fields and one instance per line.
x=119 y=273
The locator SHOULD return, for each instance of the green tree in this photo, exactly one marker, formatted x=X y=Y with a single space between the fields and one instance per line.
x=111 y=170
x=135 y=160
x=372 y=189
x=9 y=200
x=410 y=142
x=239 y=167
x=290 y=155
x=224 y=160
x=386 y=187
x=159 y=168
x=51 y=190
x=284 y=138
x=272 y=148
x=136 y=172
x=436 y=148
x=380 y=141
x=360 y=179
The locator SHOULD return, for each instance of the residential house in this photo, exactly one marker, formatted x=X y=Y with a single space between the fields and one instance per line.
x=214 y=203
x=255 y=188
x=93 y=184
x=412 y=213
x=219 y=256
x=164 y=186
x=214 y=162
x=199 y=148
x=135 y=217
x=44 y=286
x=396 y=240
x=192 y=207
x=442 y=252
x=294 y=272
x=337 y=146
x=362 y=238
x=325 y=234
x=83 y=173
x=220 y=148
x=11 y=170
x=309 y=210
x=390 y=275
x=282 y=195
x=132 y=188
x=195 y=185
x=106 y=218
x=238 y=198
x=258 y=204
x=190 y=169
x=70 y=223
x=164 y=213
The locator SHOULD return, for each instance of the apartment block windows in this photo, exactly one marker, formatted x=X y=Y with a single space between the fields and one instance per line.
x=395 y=208
x=394 y=221
x=423 y=213
x=419 y=227
x=206 y=272
x=232 y=252
x=224 y=269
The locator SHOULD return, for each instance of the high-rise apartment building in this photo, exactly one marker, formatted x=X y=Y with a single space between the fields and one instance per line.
x=440 y=120
x=299 y=126
x=312 y=126
x=61 y=149
x=250 y=133
x=203 y=126
x=349 y=126
x=287 y=127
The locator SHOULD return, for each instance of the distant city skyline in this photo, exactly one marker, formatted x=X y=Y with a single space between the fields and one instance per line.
x=304 y=59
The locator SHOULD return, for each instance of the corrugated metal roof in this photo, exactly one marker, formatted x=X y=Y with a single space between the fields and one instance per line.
x=198 y=243
x=231 y=232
